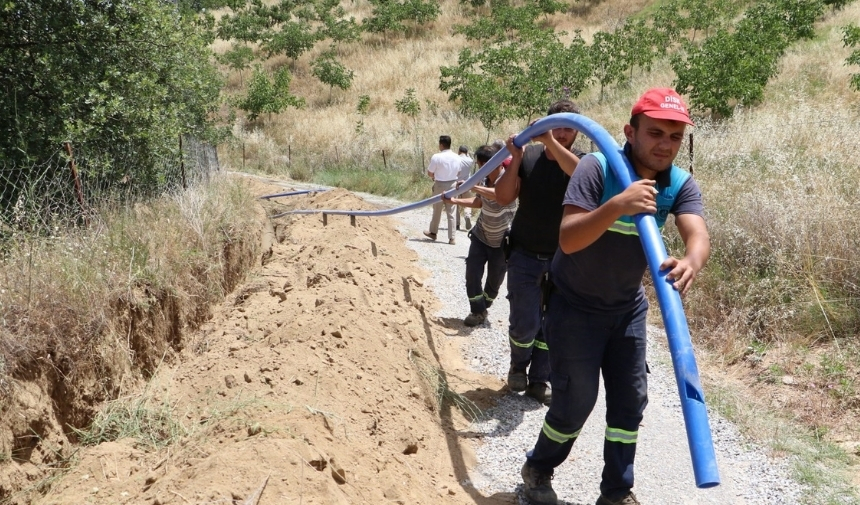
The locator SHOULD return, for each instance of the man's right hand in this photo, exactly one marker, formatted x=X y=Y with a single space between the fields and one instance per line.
x=516 y=152
x=639 y=197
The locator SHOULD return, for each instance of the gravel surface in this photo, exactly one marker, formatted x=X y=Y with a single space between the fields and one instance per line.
x=664 y=474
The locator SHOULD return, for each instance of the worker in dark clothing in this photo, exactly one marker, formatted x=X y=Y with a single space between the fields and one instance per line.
x=538 y=175
x=595 y=317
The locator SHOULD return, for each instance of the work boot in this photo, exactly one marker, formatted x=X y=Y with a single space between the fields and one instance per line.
x=475 y=319
x=431 y=236
x=452 y=241
x=537 y=486
x=517 y=380
x=540 y=392
x=628 y=499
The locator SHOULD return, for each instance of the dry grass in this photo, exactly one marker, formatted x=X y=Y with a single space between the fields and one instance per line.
x=324 y=133
x=89 y=305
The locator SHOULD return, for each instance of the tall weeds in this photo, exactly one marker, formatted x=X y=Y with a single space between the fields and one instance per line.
x=86 y=305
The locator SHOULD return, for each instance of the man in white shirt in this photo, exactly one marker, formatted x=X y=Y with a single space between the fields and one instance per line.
x=465 y=172
x=444 y=168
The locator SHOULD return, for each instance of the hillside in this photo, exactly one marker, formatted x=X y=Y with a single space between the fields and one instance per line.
x=329 y=360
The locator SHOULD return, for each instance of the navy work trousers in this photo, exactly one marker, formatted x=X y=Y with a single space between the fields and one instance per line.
x=528 y=347
x=480 y=254
x=583 y=344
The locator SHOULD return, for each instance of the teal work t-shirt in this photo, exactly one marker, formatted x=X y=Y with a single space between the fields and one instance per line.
x=606 y=276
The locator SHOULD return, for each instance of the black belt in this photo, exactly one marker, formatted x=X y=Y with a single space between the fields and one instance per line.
x=532 y=254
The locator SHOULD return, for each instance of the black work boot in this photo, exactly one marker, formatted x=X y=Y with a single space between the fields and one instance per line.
x=474 y=319
x=517 y=380
x=628 y=499
x=537 y=486
x=540 y=392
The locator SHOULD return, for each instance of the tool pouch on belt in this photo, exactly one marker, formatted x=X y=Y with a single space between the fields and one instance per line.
x=546 y=287
x=507 y=245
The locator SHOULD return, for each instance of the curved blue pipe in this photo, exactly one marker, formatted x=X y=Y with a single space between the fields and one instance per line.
x=677 y=332
x=293 y=193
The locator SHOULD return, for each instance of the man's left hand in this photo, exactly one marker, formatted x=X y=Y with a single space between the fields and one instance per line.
x=681 y=273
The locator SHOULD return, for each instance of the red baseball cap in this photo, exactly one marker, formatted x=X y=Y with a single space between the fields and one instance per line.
x=663 y=103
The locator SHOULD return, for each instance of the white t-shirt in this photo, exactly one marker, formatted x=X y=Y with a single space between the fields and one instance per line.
x=466 y=167
x=444 y=166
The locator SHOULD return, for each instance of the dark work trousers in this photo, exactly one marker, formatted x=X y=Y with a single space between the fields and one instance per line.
x=528 y=347
x=582 y=345
x=481 y=254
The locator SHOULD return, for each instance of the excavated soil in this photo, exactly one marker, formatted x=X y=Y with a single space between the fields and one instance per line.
x=316 y=382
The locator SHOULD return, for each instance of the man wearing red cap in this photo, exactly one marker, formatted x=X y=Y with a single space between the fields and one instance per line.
x=595 y=317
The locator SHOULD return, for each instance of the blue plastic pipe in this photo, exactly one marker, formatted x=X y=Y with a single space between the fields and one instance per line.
x=677 y=332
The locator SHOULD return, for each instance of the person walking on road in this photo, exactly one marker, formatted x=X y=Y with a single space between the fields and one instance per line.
x=537 y=175
x=486 y=241
x=595 y=316
x=444 y=168
x=465 y=172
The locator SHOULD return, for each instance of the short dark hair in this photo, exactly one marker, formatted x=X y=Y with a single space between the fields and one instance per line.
x=464 y=149
x=484 y=153
x=563 y=106
x=634 y=121
x=445 y=140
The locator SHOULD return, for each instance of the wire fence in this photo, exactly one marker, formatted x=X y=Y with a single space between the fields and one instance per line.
x=66 y=188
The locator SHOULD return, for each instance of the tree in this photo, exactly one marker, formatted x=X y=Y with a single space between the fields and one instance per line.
x=362 y=108
x=637 y=44
x=267 y=95
x=732 y=68
x=408 y=105
x=725 y=70
x=398 y=15
x=111 y=77
x=480 y=95
x=505 y=23
x=288 y=27
x=516 y=78
x=327 y=69
x=851 y=38
x=292 y=39
x=607 y=59
x=238 y=58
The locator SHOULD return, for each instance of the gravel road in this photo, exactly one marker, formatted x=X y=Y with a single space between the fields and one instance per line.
x=664 y=474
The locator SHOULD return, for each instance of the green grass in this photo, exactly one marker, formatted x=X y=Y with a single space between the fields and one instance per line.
x=395 y=183
x=151 y=424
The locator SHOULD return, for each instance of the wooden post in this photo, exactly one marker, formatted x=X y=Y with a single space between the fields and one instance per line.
x=352 y=220
x=243 y=155
x=289 y=154
x=336 y=156
x=691 y=152
x=384 y=163
x=182 y=163
x=325 y=219
x=423 y=167
x=77 y=181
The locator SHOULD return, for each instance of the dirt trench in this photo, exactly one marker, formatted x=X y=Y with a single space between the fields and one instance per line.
x=318 y=380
